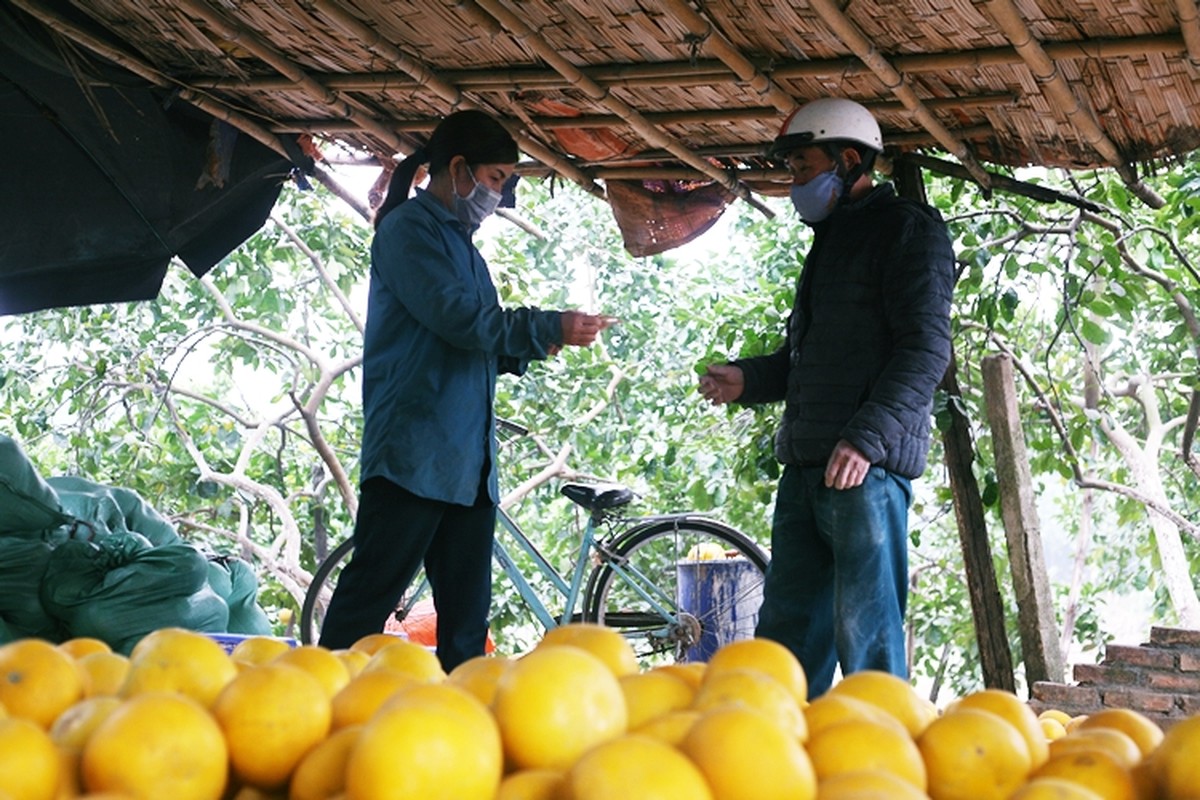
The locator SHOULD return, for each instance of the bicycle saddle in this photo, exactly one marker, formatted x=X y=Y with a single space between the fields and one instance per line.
x=595 y=497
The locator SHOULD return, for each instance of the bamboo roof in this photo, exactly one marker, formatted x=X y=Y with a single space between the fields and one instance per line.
x=597 y=90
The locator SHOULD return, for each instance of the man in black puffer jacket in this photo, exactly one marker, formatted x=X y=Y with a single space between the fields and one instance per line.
x=868 y=341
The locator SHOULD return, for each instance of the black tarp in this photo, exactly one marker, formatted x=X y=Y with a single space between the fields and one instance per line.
x=106 y=177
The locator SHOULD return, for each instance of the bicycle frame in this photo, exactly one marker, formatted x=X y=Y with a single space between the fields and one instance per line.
x=571 y=592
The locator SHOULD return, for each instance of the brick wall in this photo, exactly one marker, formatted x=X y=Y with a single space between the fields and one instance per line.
x=1160 y=679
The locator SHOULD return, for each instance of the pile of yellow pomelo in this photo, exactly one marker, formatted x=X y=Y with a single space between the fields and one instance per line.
x=575 y=718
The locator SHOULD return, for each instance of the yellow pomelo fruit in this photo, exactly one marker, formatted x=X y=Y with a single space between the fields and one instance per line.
x=272 y=715
x=973 y=754
x=1093 y=770
x=374 y=642
x=354 y=660
x=319 y=662
x=1074 y=722
x=764 y=655
x=866 y=785
x=891 y=693
x=478 y=675
x=1054 y=789
x=1016 y=712
x=157 y=745
x=70 y=734
x=72 y=729
x=29 y=762
x=321 y=774
x=671 y=727
x=106 y=672
x=365 y=694
x=744 y=755
x=833 y=709
x=653 y=693
x=752 y=689
x=691 y=672
x=1175 y=763
x=80 y=646
x=257 y=650
x=1145 y=734
x=178 y=660
x=1110 y=741
x=639 y=765
x=409 y=659
x=532 y=784
x=605 y=643
x=1052 y=729
x=1060 y=716
x=554 y=703
x=431 y=741
x=38 y=681
x=860 y=745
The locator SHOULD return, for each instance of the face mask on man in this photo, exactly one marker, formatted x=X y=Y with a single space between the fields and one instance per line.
x=815 y=200
x=477 y=206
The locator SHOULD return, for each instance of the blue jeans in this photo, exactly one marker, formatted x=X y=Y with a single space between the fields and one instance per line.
x=837 y=583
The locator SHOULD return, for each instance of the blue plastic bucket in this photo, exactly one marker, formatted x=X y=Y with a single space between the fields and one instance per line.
x=725 y=595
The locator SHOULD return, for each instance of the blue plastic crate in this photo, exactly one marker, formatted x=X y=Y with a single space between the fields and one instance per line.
x=232 y=640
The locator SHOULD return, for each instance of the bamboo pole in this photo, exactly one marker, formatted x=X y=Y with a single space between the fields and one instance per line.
x=1188 y=12
x=652 y=135
x=709 y=72
x=862 y=47
x=425 y=77
x=1058 y=92
x=265 y=51
x=719 y=45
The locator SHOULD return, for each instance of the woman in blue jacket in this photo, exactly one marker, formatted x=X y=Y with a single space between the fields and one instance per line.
x=435 y=340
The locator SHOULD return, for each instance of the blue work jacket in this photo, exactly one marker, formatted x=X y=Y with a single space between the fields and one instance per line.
x=435 y=340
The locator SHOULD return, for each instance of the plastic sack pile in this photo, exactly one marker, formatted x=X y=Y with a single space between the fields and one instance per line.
x=81 y=559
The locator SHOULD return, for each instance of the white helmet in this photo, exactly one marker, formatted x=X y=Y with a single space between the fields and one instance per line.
x=826 y=120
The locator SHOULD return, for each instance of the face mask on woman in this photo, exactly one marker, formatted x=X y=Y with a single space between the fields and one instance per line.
x=815 y=200
x=477 y=206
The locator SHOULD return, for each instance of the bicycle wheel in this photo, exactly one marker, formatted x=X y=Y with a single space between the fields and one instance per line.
x=316 y=599
x=678 y=588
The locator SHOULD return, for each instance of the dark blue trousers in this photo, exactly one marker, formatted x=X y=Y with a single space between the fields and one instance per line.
x=394 y=534
x=837 y=583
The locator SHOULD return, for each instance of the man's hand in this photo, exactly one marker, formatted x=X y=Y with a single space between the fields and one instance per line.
x=579 y=329
x=847 y=467
x=722 y=383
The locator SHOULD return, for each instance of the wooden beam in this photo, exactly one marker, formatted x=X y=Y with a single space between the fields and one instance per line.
x=1022 y=528
x=987 y=609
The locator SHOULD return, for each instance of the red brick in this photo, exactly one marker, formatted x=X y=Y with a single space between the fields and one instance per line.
x=1154 y=657
x=1095 y=674
x=1059 y=695
x=1139 y=700
x=1189 y=704
x=1182 y=682
x=1179 y=637
x=1189 y=661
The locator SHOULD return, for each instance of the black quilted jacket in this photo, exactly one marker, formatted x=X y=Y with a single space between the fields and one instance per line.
x=868 y=338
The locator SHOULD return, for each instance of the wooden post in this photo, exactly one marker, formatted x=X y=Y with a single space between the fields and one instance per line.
x=1035 y=607
x=987 y=610
x=995 y=657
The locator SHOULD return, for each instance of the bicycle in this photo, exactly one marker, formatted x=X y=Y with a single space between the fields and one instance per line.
x=677 y=585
